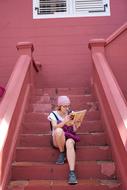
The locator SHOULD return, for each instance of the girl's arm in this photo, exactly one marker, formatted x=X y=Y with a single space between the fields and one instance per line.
x=61 y=124
x=75 y=128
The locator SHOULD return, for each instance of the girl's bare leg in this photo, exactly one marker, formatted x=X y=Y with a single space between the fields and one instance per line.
x=70 y=153
x=59 y=139
x=71 y=161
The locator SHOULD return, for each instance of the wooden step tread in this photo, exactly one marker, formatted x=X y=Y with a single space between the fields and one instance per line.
x=48 y=134
x=51 y=154
x=61 y=91
x=86 y=184
x=71 y=96
x=78 y=147
x=50 y=170
x=75 y=98
x=52 y=163
x=42 y=117
x=39 y=127
x=44 y=139
x=85 y=123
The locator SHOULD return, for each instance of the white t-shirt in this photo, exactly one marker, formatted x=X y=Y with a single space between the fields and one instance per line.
x=52 y=117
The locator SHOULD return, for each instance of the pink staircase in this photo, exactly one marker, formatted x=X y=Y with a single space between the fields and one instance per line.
x=34 y=166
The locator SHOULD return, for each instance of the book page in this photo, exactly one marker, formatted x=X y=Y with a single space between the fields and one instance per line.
x=77 y=118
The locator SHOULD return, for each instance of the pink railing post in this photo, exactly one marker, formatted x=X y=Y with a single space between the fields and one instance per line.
x=97 y=45
x=25 y=48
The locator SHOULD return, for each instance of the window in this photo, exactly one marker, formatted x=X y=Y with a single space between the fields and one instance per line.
x=70 y=8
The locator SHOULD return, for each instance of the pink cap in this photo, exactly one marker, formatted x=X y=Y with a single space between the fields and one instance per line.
x=63 y=100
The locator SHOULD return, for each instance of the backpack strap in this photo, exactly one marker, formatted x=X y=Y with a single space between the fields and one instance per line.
x=55 y=116
x=56 y=119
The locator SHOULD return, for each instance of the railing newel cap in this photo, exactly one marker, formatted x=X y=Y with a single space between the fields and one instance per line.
x=96 y=43
x=25 y=45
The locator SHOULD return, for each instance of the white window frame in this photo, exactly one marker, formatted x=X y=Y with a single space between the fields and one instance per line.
x=104 y=10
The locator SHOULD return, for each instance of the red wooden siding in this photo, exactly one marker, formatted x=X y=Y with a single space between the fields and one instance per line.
x=117 y=57
x=61 y=45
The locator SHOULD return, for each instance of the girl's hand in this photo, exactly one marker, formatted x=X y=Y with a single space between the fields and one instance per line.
x=71 y=116
x=66 y=119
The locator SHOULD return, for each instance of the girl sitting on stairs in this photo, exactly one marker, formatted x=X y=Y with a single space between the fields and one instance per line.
x=64 y=137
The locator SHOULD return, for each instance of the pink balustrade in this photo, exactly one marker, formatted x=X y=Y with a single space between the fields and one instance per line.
x=12 y=108
x=112 y=104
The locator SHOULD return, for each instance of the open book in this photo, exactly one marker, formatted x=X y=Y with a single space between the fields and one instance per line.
x=76 y=118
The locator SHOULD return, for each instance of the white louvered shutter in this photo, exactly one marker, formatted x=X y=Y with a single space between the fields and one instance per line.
x=70 y=8
x=50 y=7
x=90 y=6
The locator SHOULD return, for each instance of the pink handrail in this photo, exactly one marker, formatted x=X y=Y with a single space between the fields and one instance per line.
x=116 y=34
x=113 y=106
x=11 y=110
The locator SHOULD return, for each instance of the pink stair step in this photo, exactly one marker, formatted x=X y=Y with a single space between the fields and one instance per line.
x=44 y=139
x=74 y=98
x=87 y=184
x=35 y=117
x=44 y=127
x=49 y=170
x=62 y=91
x=35 y=127
x=79 y=100
x=73 y=91
x=42 y=117
x=49 y=91
x=43 y=154
x=91 y=126
x=40 y=99
x=43 y=107
x=38 y=107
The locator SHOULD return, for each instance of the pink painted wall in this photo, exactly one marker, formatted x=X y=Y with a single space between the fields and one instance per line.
x=61 y=45
x=116 y=52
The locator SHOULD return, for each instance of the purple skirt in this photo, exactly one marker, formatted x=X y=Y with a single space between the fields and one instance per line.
x=69 y=133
